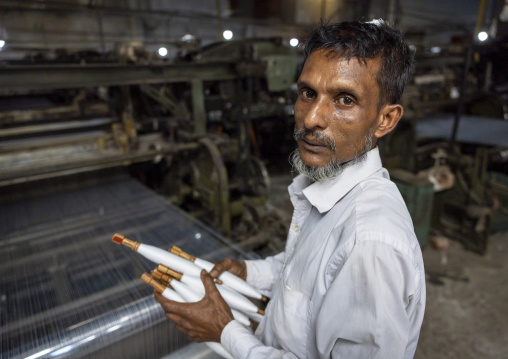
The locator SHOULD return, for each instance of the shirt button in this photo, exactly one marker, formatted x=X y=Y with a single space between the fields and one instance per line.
x=296 y=228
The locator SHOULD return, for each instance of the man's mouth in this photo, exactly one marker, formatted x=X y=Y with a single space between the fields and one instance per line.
x=316 y=140
x=313 y=145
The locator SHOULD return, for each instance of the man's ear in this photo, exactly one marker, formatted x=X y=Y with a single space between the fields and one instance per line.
x=389 y=117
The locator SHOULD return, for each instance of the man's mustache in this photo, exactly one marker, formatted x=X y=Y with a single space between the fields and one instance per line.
x=329 y=142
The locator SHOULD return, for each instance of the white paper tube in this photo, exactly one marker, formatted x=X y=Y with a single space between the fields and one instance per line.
x=234 y=299
x=160 y=256
x=255 y=316
x=191 y=296
x=216 y=347
x=172 y=295
x=231 y=280
x=182 y=265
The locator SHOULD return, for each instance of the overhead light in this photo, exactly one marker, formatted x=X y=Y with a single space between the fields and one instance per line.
x=163 y=51
x=188 y=37
x=435 y=49
x=482 y=36
x=227 y=34
x=294 y=42
x=2 y=43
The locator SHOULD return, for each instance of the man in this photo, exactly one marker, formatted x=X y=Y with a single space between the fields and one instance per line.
x=351 y=282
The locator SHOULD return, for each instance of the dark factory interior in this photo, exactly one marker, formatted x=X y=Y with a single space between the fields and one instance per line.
x=171 y=123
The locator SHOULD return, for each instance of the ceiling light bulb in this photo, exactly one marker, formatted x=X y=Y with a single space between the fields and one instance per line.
x=163 y=51
x=227 y=34
x=482 y=36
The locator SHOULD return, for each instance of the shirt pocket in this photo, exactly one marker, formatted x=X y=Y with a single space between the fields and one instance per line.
x=291 y=317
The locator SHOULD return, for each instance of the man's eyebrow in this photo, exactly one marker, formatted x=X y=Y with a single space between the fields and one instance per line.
x=300 y=83
x=335 y=90
x=346 y=89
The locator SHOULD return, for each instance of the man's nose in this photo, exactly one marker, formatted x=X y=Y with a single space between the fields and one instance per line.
x=316 y=117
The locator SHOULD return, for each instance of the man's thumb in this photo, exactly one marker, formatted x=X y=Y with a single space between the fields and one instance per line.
x=208 y=282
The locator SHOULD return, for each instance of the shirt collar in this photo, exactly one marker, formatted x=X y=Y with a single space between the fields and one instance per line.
x=324 y=195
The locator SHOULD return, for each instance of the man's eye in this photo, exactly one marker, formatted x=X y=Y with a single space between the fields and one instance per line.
x=346 y=101
x=308 y=94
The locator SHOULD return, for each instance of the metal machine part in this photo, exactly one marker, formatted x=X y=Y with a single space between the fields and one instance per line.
x=453 y=110
x=187 y=129
x=66 y=291
x=192 y=128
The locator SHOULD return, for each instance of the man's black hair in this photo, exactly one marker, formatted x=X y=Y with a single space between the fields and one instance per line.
x=368 y=40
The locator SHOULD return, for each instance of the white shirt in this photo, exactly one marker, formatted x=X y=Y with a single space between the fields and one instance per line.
x=351 y=281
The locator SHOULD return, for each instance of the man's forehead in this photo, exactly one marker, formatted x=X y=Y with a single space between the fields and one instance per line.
x=342 y=56
x=323 y=60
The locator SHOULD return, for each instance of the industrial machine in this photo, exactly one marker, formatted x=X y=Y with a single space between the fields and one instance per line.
x=450 y=148
x=68 y=292
x=193 y=129
x=93 y=144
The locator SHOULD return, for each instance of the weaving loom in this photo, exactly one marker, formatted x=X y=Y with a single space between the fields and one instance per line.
x=68 y=292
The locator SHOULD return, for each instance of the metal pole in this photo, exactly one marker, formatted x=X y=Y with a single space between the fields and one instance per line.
x=219 y=21
x=481 y=17
x=460 y=105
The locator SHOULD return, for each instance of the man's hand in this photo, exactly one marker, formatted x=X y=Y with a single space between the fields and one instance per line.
x=227 y=264
x=202 y=321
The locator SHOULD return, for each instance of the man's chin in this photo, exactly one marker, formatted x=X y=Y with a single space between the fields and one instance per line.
x=315 y=170
x=314 y=160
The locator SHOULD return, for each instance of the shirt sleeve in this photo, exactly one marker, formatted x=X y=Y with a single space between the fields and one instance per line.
x=261 y=274
x=364 y=311
x=242 y=344
x=237 y=339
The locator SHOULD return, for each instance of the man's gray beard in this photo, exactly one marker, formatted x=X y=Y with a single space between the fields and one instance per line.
x=332 y=169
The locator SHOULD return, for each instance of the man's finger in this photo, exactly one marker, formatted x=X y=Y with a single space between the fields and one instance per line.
x=181 y=328
x=159 y=297
x=175 y=318
x=221 y=267
x=217 y=270
x=170 y=305
x=164 y=302
x=208 y=282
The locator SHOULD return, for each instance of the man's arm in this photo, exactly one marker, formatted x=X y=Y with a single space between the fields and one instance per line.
x=261 y=274
x=211 y=320
x=364 y=313
x=241 y=344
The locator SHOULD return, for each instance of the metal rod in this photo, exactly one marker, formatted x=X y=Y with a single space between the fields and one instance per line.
x=460 y=106
x=52 y=77
x=71 y=125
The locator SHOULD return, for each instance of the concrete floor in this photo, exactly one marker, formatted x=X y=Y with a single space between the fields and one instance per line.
x=467 y=303
x=467 y=296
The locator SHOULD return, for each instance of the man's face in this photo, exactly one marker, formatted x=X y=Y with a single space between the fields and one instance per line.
x=337 y=106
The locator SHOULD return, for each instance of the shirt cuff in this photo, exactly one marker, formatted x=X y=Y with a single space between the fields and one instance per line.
x=238 y=340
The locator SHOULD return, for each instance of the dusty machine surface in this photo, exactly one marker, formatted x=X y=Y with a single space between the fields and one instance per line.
x=68 y=291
